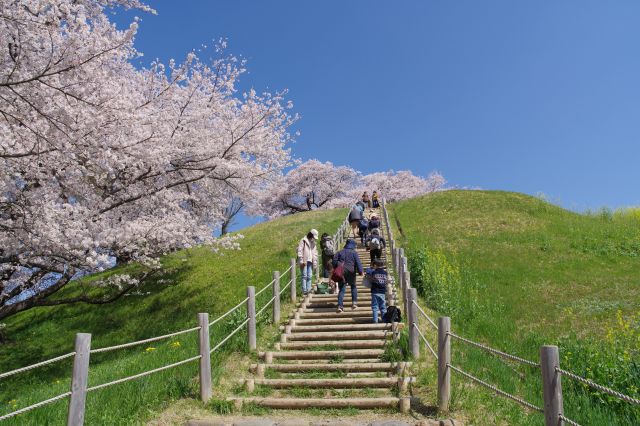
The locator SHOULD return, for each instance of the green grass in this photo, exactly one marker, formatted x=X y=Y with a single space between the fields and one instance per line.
x=517 y=272
x=195 y=280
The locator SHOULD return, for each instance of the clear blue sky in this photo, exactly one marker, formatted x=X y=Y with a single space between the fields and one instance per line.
x=523 y=96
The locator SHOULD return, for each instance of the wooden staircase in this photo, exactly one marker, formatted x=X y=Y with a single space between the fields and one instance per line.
x=327 y=359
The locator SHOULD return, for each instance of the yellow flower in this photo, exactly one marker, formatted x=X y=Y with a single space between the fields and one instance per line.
x=13 y=402
x=175 y=345
x=150 y=349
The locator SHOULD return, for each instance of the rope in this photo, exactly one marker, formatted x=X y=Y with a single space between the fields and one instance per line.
x=146 y=373
x=216 y=347
x=229 y=311
x=496 y=390
x=265 y=287
x=426 y=342
x=286 y=272
x=495 y=351
x=601 y=388
x=140 y=342
x=566 y=420
x=425 y=315
x=36 y=405
x=266 y=306
x=36 y=365
x=285 y=287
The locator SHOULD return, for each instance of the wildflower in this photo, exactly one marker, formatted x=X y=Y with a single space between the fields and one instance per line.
x=13 y=403
x=150 y=349
x=175 y=345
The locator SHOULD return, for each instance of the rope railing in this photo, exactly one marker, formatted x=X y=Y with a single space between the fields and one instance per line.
x=567 y=420
x=34 y=406
x=285 y=287
x=496 y=390
x=258 y=293
x=426 y=342
x=216 y=347
x=143 y=374
x=266 y=306
x=36 y=365
x=494 y=351
x=425 y=315
x=598 y=386
x=141 y=342
x=229 y=311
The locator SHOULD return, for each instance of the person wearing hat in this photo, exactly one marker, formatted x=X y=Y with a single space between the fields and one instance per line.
x=308 y=259
x=378 y=278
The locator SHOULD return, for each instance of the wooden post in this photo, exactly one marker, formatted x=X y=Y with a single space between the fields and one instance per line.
x=412 y=312
x=551 y=385
x=407 y=289
x=444 y=358
x=293 y=287
x=79 y=380
x=276 y=297
x=251 y=314
x=205 y=357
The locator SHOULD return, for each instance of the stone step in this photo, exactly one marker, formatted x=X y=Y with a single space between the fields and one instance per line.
x=345 y=354
x=348 y=366
x=330 y=383
x=342 y=344
x=402 y=404
x=338 y=335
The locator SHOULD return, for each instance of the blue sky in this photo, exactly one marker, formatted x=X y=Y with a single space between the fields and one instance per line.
x=523 y=96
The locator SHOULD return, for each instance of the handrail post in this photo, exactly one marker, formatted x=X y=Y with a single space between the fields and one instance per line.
x=276 y=297
x=205 y=357
x=293 y=280
x=444 y=359
x=79 y=380
x=551 y=385
x=413 y=323
x=407 y=288
x=251 y=314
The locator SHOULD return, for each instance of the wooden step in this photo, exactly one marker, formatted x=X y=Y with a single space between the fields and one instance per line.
x=347 y=313
x=355 y=353
x=402 y=404
x=342 y=344
x=329 y=383
x=337 y=327
x=339 y=335
x=391 y=367
x=330 y=310
x=337 y=319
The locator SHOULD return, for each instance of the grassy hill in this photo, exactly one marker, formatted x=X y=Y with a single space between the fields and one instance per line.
x=195 y=280
x=516 y=272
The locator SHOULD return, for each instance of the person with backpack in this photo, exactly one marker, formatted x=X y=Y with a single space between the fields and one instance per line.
x=363 y=227
x=375 y=244
x=347 y=264
x=308 y=259
x=366 y=200
x=374 y=222
x=355 y=215
x=378 y=278
x=375 y=200
x=327 y=246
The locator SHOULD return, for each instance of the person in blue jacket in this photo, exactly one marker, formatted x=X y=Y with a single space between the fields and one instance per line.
x=378 y=278
x=352 y=266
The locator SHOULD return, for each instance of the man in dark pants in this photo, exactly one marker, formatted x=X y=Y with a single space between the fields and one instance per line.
x=352 y=265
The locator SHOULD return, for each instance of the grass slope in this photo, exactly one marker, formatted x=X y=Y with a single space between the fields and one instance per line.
x=516 y=272
x=195 y=280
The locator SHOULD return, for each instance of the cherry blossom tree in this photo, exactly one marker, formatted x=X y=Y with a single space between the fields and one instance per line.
x=311 y=185
x=100 y=160
x=401 y=185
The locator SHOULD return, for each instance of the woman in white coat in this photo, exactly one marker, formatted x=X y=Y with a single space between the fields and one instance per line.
x=308 y=259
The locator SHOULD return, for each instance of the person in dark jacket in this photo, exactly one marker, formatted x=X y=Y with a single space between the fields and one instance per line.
x=352 y=265
x=376 y=244
x=363 y=228
x=355 y=215
x=374 y=222
x=378 y=278
x=375 y=200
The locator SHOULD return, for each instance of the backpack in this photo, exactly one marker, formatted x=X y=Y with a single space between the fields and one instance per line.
x=328 y=248
x=393 y=314
x=338 y=273
x=375 y=244
x=364 y=223
x=322 y=288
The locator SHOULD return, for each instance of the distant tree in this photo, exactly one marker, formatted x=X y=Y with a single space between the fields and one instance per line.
x=100 y=160
x=310 y=186
x=394 y=186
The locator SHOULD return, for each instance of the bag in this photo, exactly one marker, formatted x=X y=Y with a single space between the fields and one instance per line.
x=393 y=314
x=328 y=248
x=364 y=224
x=375 y=244
x=338 y=273
x=322 y=288
x=366 y=281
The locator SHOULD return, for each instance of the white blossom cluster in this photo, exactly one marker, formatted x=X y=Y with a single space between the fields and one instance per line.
x=101 y=160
